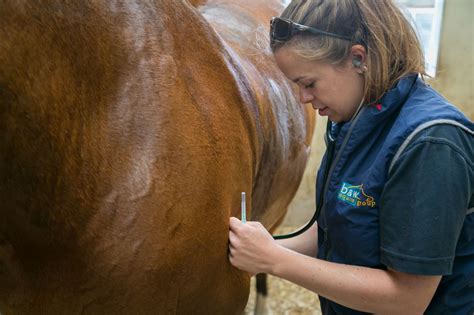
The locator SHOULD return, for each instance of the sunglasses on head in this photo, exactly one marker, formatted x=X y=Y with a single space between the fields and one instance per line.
x=281 y=30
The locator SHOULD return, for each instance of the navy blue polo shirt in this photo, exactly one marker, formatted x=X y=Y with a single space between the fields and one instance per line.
x=424 y=226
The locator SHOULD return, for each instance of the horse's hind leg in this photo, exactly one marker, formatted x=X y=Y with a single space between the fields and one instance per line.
x=261 y=306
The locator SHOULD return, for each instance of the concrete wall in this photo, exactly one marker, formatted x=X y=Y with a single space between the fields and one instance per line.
x=454 y=81
x=456 y=59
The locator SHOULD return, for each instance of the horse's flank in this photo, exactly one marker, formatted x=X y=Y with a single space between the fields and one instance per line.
x=127 y=131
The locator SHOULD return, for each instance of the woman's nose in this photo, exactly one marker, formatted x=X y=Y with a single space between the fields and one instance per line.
x=305 y=96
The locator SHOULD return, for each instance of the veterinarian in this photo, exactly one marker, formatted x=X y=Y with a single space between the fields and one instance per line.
x=395 y=220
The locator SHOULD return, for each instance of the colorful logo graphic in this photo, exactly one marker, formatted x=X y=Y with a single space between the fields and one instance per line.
x=355 y=196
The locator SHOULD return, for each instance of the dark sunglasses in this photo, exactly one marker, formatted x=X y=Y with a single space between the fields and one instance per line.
x=281 y=30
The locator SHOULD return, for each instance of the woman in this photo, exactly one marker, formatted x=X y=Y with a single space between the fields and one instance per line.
x=395 y=228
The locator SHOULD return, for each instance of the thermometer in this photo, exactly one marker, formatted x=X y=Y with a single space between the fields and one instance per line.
x=243 y=208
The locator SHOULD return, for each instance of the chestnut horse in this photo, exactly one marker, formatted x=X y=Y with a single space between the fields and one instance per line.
x=128 y=130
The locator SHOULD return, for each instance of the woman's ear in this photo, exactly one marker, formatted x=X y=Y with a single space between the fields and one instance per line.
x=358 y=56
x=359 y=53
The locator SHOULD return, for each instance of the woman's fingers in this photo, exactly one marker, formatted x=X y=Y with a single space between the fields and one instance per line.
x=232 y=239
x=235 y=223
x=251 y=246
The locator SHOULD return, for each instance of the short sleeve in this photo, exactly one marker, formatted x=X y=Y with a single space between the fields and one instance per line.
x=424 y=202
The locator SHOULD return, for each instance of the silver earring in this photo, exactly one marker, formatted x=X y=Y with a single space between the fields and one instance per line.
x=362 y=69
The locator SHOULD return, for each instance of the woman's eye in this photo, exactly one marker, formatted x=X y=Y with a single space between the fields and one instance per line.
x=309 y=86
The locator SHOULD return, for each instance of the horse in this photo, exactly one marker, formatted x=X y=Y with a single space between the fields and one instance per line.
x=128 y=130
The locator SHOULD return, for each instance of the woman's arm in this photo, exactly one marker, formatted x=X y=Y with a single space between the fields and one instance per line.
x=365 y=289
x=305 y=243
x=253 y=249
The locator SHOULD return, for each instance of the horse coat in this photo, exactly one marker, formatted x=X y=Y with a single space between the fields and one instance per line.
x=127 y=131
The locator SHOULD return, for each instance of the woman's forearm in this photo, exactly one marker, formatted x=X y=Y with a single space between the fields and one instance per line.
x=305 y=243
x=365 y=289
x=252 y=248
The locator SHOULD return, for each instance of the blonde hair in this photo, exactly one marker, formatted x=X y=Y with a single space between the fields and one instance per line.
x=393 y=48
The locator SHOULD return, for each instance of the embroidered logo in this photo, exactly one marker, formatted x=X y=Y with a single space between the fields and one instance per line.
x=355 y=196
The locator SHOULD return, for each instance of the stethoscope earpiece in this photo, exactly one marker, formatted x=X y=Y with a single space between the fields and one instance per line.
x=356 y=63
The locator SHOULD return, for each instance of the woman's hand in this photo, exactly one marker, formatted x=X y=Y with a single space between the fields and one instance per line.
x=251 y=247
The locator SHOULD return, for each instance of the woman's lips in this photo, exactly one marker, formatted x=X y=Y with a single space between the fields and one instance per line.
x=322 y=111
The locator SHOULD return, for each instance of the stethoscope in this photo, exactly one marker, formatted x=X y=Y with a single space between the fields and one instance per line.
x=331 y=144
x=330 y=152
